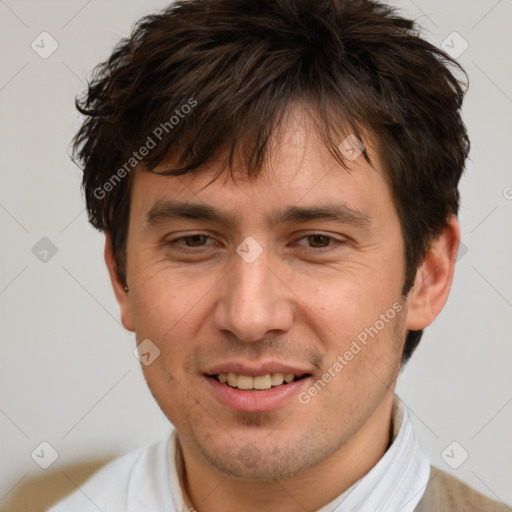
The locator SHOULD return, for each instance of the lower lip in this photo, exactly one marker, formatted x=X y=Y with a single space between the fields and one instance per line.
x=255 y=401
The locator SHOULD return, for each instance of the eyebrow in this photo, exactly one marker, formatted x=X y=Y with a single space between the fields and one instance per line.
x=167 y=210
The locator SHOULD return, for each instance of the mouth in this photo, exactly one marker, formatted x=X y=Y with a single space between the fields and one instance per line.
x=256 y=387
x=257 y=383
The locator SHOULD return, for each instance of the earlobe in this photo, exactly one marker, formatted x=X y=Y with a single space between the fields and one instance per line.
x=434 y=278
x=121 y=291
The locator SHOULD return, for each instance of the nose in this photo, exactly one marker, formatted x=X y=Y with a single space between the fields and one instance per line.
x=253 y=300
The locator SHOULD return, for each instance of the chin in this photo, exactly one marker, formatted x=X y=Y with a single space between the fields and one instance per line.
x=264 y=461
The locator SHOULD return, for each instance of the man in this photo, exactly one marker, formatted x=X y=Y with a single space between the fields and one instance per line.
x=277 y=182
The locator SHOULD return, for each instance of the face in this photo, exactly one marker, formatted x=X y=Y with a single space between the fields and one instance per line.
x=297 y=273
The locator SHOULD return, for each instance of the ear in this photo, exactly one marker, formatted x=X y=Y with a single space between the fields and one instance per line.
x=434 y=278
x=121 y=294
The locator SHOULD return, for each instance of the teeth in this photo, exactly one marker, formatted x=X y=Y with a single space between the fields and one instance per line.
x=260 y=382
x=232 y=379
x=277 y=379
x=245 y=382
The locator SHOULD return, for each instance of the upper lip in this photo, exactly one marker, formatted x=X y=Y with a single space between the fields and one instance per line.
x=253 y=370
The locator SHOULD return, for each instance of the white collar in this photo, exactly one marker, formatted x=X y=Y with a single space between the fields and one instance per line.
x=399 y=479
x=397 y=482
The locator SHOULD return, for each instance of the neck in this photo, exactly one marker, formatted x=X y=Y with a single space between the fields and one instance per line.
x=205 y=488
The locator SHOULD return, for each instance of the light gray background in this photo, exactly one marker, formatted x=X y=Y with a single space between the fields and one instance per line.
x=68 y=374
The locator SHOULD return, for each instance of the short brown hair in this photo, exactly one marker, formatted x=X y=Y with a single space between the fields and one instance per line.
x=240 y=64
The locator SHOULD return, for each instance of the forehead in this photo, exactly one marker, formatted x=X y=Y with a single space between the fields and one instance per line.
x=299 y=171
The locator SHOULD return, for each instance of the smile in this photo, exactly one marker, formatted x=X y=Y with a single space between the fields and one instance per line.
x=257 y=383
x=239 y=392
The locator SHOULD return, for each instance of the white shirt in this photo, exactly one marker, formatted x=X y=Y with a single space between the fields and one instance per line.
x=399 y=479
x=146 y=480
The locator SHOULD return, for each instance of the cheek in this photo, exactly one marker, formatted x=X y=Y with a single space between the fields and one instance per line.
x=346 y=302
x=165 y=312
x=358 y=323
x=359 y=368
x=164 y=301
x=172 y=310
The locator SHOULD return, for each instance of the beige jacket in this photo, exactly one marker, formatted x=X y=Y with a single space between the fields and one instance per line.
x=446 y=493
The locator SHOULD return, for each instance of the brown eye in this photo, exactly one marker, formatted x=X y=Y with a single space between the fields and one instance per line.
x=195 y=240
x=318 y=241
x=189 y=243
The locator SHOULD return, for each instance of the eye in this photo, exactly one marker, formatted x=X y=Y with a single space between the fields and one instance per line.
x=190 y=241
x=320 y=241
x=194 y=242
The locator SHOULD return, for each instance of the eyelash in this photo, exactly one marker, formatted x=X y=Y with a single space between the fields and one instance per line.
x=333 y=242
